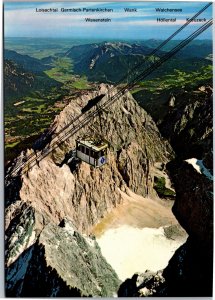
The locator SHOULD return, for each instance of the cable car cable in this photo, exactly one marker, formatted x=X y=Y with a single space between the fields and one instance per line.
x=167 y=40
x=157 y=64
x=88 y=118
x=139 y=65
x=134 y=68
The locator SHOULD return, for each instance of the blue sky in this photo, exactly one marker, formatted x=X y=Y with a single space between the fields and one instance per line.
x=22 y=20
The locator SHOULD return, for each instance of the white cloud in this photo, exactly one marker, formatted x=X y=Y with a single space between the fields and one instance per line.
x=32 y=18
x=28 y=20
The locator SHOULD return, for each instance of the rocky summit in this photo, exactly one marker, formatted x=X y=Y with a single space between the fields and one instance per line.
x=52 y=206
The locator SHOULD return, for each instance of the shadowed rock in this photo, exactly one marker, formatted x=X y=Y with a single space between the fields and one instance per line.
x=61 y=263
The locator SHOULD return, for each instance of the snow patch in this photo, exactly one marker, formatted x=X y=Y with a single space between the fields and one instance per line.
x=199 y=167
x=193 y=162
x=129 y=250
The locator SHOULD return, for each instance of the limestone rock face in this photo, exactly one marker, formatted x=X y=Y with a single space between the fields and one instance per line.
x=194 y=201
x=184 y=117
x=59 y=188
x=194 y=210
x=135 y=142
x=54 y=265
x=88 y=193
x=22 y=226
x=189 y=126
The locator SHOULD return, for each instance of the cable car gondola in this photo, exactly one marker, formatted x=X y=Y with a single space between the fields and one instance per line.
x=92 y=151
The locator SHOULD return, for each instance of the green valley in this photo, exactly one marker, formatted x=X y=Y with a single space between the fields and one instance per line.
x=42 y=76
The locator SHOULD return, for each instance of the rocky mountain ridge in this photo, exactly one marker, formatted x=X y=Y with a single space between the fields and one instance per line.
x=19 y=82
x=27 y=62
x=57 y=262
x=15 y=78
x=99 y=61
x=190 y=271
x=188 y=124
x=53 y=191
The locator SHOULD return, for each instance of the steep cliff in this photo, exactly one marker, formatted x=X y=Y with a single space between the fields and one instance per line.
x=189 y=125
x=194 y=210
x=54 y=265
x=57 y=189
x=190 y=270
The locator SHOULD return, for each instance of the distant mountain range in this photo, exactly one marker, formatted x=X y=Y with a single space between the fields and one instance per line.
x=196 y=48
x=16 y=79
x=20 y=81
x=109 y=62
x=29 y=63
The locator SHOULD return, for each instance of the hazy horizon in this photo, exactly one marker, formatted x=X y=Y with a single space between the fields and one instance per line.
x=100 y=39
